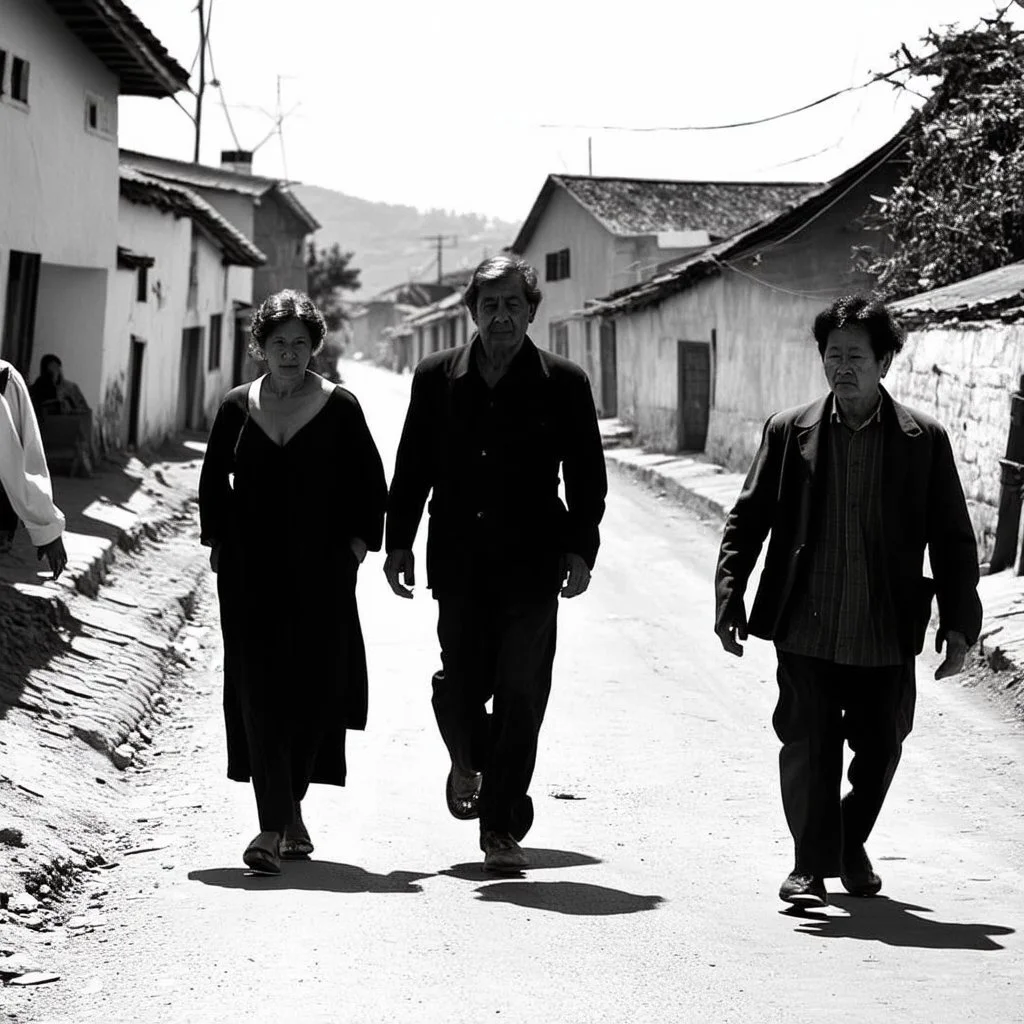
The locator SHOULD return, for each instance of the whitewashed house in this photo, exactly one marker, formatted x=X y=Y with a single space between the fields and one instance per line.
x=63 y=64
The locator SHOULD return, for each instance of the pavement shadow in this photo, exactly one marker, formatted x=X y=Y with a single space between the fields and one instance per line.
x=880 y=919
x=575 y=898
x=315 y=876
x=474 y=871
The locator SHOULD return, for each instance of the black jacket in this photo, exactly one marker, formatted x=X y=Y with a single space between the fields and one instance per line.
x=923 y=505
x=492 y=460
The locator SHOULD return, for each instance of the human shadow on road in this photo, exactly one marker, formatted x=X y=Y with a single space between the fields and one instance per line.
x=880 y=919
x=314 y=875
x=577 y=898
x=475 y=871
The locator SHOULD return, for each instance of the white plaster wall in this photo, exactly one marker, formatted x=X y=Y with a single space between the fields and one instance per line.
x=59 y=181
x=964 y=376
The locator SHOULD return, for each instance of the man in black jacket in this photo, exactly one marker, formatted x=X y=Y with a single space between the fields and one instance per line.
x=488 y=426
x=852 y=488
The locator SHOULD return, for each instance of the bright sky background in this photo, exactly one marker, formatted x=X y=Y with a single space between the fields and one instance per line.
x=441 y=104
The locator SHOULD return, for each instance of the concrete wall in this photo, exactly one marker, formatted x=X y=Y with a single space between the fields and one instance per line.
x=964 y=376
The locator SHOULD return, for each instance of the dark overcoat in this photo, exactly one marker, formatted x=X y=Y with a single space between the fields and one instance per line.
x=923 y=505
x=283 y=518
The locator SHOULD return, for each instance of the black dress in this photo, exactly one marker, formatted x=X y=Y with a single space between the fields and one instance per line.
x=294 y=662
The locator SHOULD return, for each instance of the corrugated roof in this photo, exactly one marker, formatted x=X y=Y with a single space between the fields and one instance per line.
x=799 y=212
x=995 y=295
x=123 y=43
x=204 y=176
x=140 y=188
x=640 y=206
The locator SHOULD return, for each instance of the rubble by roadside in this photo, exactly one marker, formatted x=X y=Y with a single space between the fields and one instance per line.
x=87 y=667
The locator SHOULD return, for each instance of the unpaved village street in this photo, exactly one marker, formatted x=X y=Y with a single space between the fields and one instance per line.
x=658 y=848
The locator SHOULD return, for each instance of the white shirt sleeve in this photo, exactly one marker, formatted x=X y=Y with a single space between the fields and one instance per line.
x=23 y=471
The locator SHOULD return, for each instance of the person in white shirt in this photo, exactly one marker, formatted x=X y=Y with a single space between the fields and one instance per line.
x=26 y=492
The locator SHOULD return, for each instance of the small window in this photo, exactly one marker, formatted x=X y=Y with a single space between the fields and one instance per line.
x=92 y=114
x=100 y=116
x=19 y=80
x=142 y=285
x=215 y=331
x=556 y=265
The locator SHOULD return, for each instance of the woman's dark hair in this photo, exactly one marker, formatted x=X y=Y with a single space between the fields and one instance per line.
x=885 y=333
x=279 y=307
x=44 y=363
x=495 y=268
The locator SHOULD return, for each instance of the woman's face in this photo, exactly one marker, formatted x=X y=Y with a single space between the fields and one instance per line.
x=288 y=349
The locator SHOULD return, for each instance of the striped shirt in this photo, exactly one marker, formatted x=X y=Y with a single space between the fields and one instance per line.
x=843 y=612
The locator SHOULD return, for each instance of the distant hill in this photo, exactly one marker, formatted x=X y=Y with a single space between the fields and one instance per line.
x=388 y=240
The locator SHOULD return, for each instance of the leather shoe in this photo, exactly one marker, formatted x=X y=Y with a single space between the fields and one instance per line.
x=804 y=889
x=502 y=852
x=857 y=874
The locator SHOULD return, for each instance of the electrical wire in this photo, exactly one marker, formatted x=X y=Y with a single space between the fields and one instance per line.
x=216 y=78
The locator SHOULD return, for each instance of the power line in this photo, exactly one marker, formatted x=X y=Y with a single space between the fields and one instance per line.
x=215 y=79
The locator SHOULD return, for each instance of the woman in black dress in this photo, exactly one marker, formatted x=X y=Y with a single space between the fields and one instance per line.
x=291 y=497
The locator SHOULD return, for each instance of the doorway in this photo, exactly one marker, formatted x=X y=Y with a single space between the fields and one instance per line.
x=609 y=370
x=694 y=400
x=189 y=387
x=20 y=311
x=138 y=350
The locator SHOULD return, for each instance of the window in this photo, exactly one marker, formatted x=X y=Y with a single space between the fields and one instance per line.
x=19 y=80
x=100 y=116
x=142 y=284
x=556 y=265
x=215 y=332
x=559 y=339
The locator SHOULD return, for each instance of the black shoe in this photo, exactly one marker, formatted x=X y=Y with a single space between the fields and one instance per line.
x=804 y=889
x=857 y=874
x=502 y=852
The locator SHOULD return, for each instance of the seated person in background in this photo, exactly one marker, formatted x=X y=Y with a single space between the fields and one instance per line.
x=52 y=394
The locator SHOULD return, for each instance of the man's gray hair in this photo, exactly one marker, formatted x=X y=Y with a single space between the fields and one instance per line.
x=495 y=268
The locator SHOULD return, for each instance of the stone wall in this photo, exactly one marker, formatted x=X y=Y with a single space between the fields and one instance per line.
x=963 y=375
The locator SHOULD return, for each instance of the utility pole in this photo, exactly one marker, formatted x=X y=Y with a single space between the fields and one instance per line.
x=590 y=156
x=439 y=241
x=202 y=77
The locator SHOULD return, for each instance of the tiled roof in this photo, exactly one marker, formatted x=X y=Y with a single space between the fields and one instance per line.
x=146 y=191
x=440 y=310
x=995 y=295
x=123 y=43
x=203 y=176
x=640 y=206
x=800 y=211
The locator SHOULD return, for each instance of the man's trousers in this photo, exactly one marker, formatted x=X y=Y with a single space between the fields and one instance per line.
x=821 y=704
x=501 y=647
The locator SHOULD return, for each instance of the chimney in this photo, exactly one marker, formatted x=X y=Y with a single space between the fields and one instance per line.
x=237 y=160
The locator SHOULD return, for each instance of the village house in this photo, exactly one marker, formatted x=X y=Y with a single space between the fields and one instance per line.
x=707 y=350
x=963 y=362
x=590 y=236
x=441 y=325
x=63 y=64
x=184 y=272
x=265 y=210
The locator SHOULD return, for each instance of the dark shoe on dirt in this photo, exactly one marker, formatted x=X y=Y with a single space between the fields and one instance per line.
x=262 y=855
x=857 y=874
x=804 y=890
x=462 y=793
x=295 y=842
x=502 y=852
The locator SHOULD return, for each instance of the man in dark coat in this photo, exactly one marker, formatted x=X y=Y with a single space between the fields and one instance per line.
x=489 y=424
x=852 y=488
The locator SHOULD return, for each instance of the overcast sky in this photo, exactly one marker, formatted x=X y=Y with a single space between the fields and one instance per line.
x=442 y=104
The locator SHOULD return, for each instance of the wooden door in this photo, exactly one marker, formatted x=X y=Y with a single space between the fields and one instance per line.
x=609 y=370
x=188 y=386
x=694 y=362
x=20 y=310
x=138 y=350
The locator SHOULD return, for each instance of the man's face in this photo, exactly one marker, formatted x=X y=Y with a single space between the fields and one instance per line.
x=852 y=371
x=55 y=371
x=502 y=314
